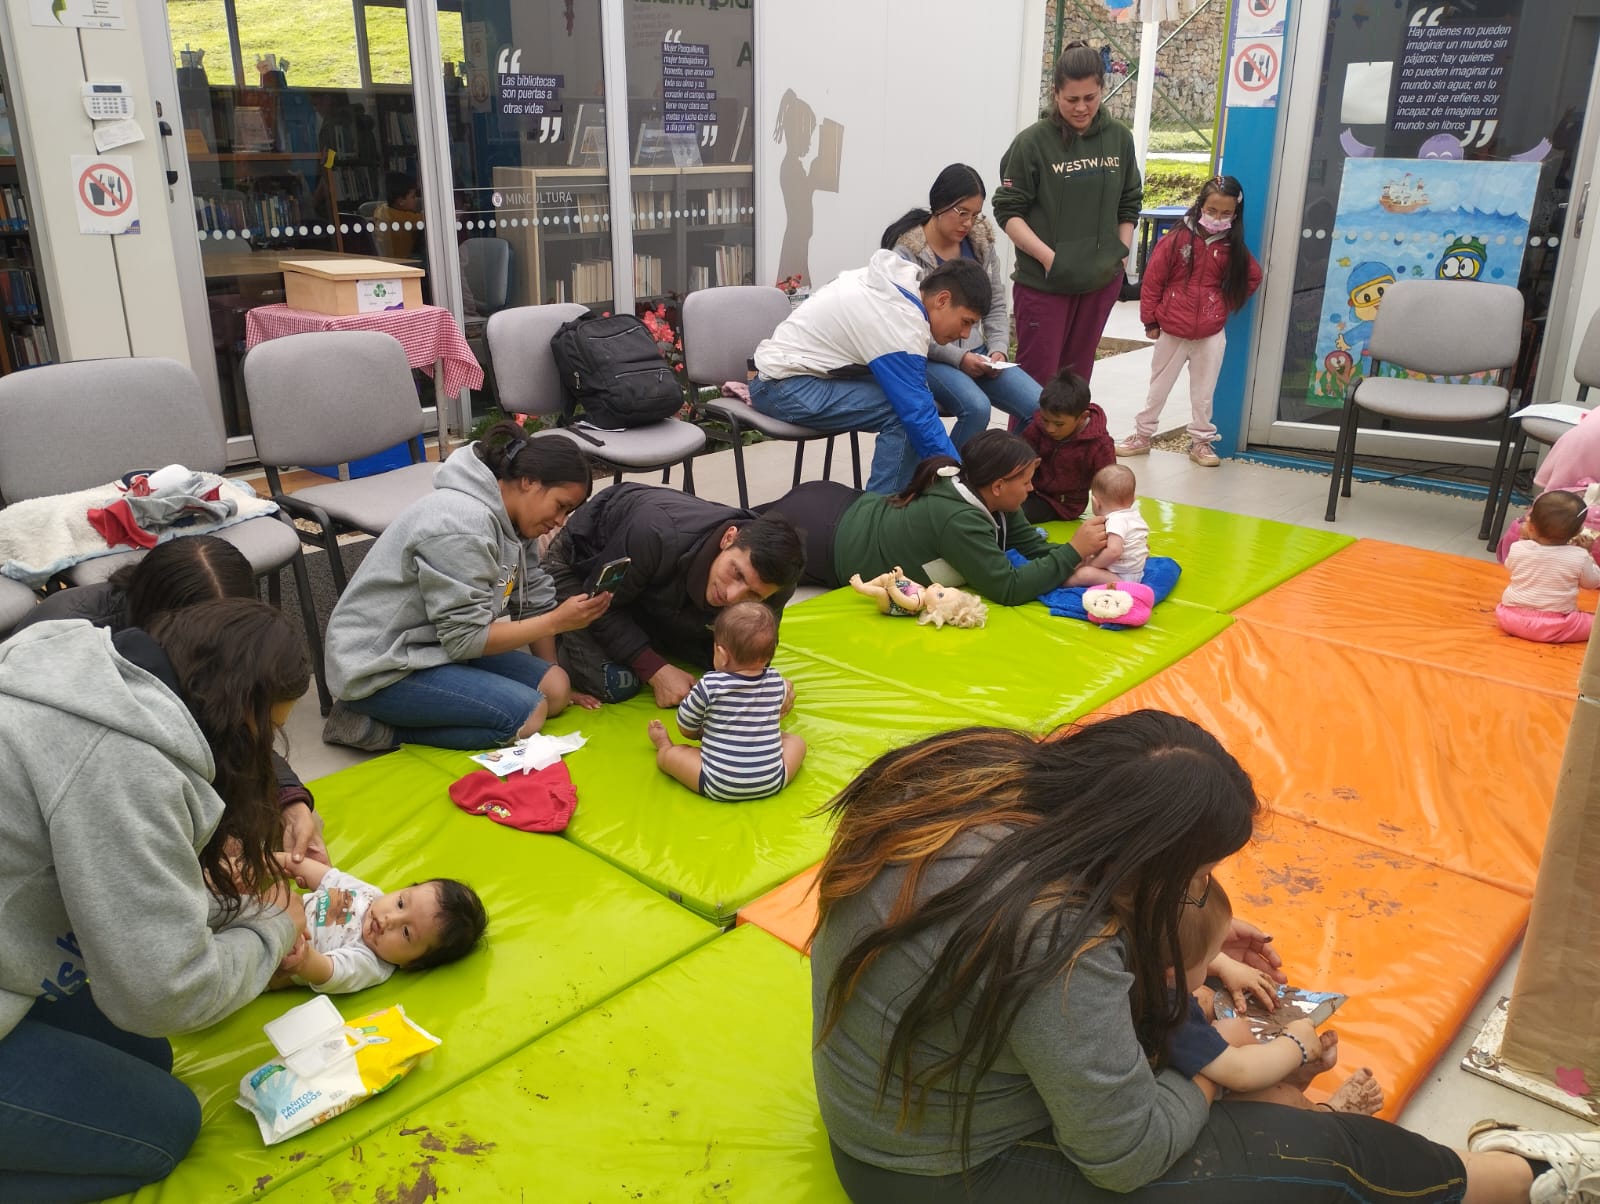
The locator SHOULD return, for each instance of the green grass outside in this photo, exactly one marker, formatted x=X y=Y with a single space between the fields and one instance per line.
x=1173 y=182
x=317 y=37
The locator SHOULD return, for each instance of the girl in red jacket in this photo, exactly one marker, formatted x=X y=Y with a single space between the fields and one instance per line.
x=1198 y=276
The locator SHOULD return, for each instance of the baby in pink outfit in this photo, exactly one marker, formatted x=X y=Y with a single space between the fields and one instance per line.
x=1548 y=565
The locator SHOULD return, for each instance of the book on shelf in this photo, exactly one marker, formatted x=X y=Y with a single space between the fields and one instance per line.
x=13 y=209
x=250 y=131
x=19 y=298
x=721 y=206
x=29 y=346
x=652 y=210
x=646 y=275
x=730 y=262
x=733 y=138
x=651 y=148
x=591 y=281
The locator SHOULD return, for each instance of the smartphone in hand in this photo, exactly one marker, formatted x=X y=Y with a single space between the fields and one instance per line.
x=610 y=576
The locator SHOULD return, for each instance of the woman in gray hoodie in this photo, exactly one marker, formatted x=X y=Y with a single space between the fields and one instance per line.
x=430 y=642
x=138 y=811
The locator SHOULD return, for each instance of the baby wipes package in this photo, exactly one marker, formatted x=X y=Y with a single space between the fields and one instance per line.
x=326 y=1066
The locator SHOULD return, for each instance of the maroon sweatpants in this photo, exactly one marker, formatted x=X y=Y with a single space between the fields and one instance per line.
x=1060 y=330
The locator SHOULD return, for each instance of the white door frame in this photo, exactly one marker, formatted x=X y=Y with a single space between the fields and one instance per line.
x=1572 y=292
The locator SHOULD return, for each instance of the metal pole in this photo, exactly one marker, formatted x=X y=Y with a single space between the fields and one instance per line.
x=1144 y=96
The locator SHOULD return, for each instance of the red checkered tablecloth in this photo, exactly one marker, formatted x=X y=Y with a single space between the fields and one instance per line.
x=428 y=333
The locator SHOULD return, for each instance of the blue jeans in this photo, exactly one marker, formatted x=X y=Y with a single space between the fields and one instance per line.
x=475 y=704
x=77 y=1092
x=968 y=400
x=836 y=406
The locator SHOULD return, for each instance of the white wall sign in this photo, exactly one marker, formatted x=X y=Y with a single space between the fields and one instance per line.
x=104 y=194
x=1255 y=71
x=78 y=14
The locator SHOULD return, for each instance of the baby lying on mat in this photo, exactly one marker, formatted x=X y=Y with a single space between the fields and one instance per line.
x=356 y=935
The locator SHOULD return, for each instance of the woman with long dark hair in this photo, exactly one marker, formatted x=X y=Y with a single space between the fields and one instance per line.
x=171 y=576
x=952 y=523
x=138 y=889
x=430 y=642
x=1069 y=196
x=963 y=375
x=996 y=941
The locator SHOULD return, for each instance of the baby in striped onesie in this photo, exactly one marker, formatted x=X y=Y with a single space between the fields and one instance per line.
x=734 y=712
x=1548 y=565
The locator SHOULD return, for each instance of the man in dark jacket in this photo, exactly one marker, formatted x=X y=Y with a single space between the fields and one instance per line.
x=688 y=558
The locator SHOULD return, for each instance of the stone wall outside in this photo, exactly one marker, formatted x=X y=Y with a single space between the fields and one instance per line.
x=1188 y=67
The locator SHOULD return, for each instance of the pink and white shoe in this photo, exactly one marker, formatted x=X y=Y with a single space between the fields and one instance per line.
x=1133 y=445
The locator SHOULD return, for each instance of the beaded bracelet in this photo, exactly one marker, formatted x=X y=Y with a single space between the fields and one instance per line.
x=1305 y=1054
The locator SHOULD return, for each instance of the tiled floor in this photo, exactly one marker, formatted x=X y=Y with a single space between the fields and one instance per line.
x=1451 y=1100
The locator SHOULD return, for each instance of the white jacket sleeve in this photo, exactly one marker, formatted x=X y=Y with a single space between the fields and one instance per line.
x=123 y=842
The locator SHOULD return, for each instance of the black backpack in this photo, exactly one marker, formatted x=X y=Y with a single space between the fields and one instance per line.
x=612 y=368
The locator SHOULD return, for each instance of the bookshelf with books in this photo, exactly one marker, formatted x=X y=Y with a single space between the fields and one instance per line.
x=24 y=334
x=698 y=222
x=557 y=221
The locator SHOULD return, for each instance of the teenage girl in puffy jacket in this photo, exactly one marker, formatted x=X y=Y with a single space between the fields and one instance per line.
x=1199 y=275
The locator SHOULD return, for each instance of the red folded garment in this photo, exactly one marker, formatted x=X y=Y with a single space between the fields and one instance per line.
x=542 y=801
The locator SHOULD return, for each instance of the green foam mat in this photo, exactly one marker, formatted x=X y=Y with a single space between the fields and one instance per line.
x=1227 y=559
x=715 y=857
x=680 y=1088
x=566 y=931
x=1025 y=667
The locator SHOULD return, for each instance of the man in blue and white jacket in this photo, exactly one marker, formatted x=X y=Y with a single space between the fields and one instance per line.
x=854 y=358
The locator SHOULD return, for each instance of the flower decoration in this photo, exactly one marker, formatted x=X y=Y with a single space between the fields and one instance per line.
x=790 y=284
x=667 y=339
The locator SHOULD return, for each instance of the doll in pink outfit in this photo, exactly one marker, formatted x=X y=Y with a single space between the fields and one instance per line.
x=1548 y=566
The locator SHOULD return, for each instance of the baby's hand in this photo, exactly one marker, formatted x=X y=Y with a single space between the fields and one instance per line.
x=295 y=958
x=1242 y=981
x=1585 y=538
x=788 y=698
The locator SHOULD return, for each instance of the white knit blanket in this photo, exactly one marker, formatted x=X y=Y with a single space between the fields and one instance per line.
x=47 y=535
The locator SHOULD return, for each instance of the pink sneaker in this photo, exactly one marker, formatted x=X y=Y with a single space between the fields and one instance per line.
x=1133 y=445
x=1202 y=455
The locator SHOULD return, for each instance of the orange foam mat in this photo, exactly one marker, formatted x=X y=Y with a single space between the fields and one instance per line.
x=788 y=912
x=1411 y=944
x=1431 y=762
x=1424 y=606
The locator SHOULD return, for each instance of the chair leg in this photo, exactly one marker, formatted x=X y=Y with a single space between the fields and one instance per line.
x=666 y=475
x=855 y=455
x=827 y=461
x=1508 y=486
x=738 y=466
x=1350 y=451
x=799 y=464
x=688 y=476
x=275 y=589
x=1494 y=477
x=1336 y=473
x=616 y=478
x=308 y=617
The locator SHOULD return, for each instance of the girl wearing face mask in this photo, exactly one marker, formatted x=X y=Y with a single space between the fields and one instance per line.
x=1199 y=275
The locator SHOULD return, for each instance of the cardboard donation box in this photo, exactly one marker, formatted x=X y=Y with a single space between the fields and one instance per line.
x=342 y=287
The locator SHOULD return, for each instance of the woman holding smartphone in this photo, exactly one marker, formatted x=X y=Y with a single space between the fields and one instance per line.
x=446 y=633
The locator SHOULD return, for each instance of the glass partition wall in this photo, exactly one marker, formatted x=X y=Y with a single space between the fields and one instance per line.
x=300 y=124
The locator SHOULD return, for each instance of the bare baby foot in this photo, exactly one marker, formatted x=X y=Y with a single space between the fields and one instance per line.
x=1359 y=1095
x=1326 y=1059
x=658 y=735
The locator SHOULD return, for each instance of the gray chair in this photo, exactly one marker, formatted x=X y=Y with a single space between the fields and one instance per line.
x=1419 y=328
x=525 y=370
x=721 y=328
x=60 y=433
x=16 y=600
x=486 y=267
x=1542 y=429
x=330 y=397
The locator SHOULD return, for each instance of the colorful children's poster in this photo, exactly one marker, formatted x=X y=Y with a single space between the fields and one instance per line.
x=1413 y=219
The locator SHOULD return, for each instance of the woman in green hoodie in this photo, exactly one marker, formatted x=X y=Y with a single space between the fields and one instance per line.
x=1069 y=196
x=953 y=524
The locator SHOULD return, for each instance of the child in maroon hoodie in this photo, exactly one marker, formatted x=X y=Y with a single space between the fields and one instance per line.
x=1069 y=432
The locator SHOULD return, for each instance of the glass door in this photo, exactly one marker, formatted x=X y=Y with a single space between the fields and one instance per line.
x=1437 y=141
x=296 y=125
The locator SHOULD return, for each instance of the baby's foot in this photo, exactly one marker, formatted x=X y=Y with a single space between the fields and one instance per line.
x=1326 y=1059
x=658 y=735
x=1359 y=1095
